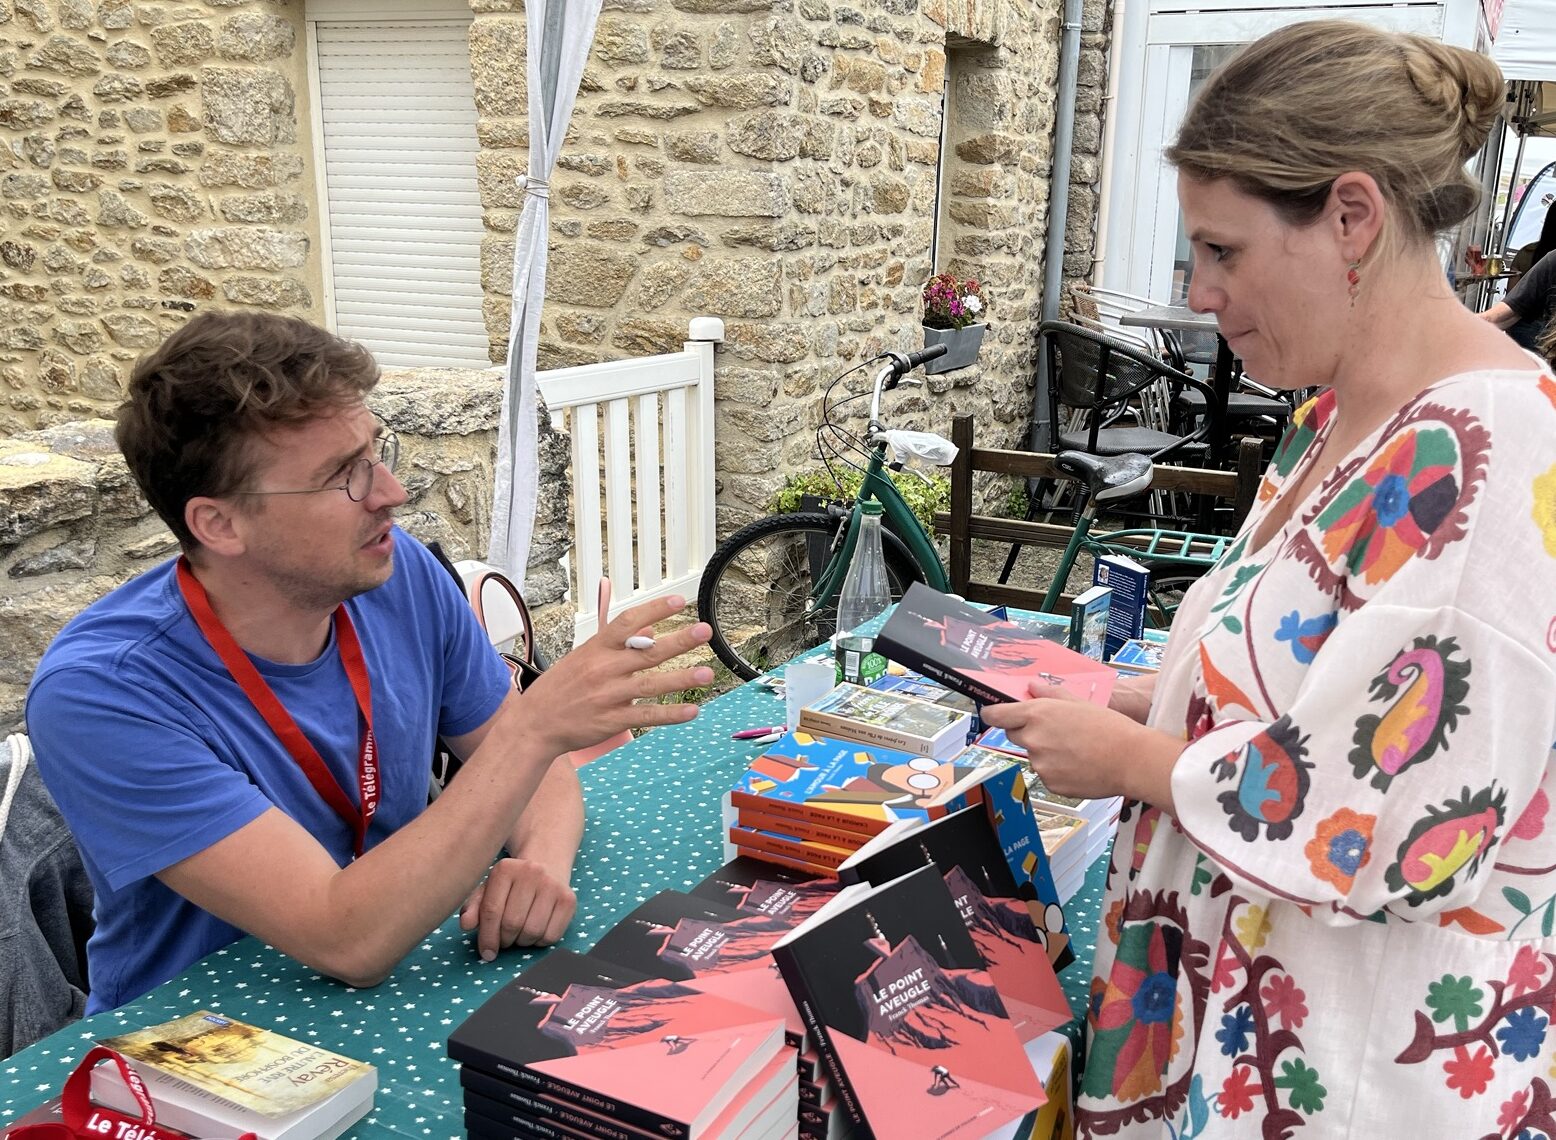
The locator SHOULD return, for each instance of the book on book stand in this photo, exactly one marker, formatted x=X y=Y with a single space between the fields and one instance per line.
x=633 y=1051
x=966 y=851
x=211 y=1075
x=909 y=1026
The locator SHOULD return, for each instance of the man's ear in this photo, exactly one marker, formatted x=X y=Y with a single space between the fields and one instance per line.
x=213 y=523
x=1358 y=208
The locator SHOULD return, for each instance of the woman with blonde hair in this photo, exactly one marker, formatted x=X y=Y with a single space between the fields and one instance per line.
x=1331 y=906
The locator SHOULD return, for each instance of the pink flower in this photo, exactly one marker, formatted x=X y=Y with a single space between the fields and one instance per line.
x=1527 y=971
x=1226 y=971
x=1284 y=1000
x=1469 y=1073
x=1512 y=1114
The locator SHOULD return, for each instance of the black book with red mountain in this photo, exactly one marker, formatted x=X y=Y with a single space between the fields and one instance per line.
x=989 y=659
x=752 y=886
x=652 y=1053
x=966 y=850
x=712 y=948
x=910 y=1027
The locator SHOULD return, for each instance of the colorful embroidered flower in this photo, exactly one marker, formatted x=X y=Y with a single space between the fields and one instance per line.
x=1235 y=1027
x=1454 y=837
x=1512 y=1111
x=1544 y=510
x=1237 y=1093
x=1225 y=974
x=1424 y=687
x=1340 y=847
x=1392 y=509
x=1283 y=1000
x=1531 y=824
x=1527 y=973
x=1469 y=1074
x=1522 y=1034
x=1307 y=1095
x=1455 y=998
x=1253 y=928
x=1305 y=635
x=1272 y=779
x=1136 y=1025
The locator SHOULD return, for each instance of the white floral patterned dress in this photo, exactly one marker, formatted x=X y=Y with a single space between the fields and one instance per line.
x=1348 y=928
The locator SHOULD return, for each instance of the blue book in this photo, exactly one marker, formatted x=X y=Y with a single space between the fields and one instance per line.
x=1131 y=586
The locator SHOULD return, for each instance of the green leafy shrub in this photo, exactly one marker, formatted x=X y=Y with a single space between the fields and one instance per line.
x=925 y=499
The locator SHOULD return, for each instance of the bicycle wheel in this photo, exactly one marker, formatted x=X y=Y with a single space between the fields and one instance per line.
x=1168 y=585
x=756 y=590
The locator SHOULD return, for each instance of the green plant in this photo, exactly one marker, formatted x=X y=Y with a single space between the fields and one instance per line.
x=925 y=499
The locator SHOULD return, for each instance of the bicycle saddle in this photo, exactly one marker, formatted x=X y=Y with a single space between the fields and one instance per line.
x=1108 y=478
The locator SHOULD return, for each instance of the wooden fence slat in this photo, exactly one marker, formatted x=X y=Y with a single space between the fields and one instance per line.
x=646 y=477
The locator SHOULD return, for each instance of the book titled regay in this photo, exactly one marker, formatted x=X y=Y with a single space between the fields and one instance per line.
x=989 y=659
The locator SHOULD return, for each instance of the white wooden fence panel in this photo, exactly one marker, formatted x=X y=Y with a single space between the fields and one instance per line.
x=646 y=440
x=658 y=432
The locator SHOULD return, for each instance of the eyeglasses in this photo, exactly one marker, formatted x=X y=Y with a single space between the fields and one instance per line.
x=359 y=476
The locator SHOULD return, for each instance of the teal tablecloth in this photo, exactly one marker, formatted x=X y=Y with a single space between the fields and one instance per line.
x=654 y=823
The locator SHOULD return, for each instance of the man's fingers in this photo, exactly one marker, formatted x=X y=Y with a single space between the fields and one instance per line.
x=647 y=686
x=469 y=910
x=494 y=906
x=561 y=915
x=634 y=618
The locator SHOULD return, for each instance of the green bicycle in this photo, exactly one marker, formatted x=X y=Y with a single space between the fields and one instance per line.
x=771 y=589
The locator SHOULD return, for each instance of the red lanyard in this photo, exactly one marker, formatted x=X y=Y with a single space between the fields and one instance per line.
x=280 y=721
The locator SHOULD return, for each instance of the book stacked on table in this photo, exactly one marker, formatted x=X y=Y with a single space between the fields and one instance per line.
x=209 y=1075
x=580 y=1046
x=911 y=1031
x=966 y=851
x=809 y=801
x=1076 y=832
x=717 y=948
x=880 y=718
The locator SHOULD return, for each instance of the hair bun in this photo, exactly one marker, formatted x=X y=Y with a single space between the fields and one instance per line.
x=1466 y=86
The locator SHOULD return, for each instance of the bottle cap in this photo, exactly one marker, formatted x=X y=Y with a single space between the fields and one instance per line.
x=871 y=506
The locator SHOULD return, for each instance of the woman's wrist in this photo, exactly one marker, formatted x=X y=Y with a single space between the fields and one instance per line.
x=1147 y=774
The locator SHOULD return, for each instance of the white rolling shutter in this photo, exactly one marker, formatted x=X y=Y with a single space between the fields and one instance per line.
x=398 y=123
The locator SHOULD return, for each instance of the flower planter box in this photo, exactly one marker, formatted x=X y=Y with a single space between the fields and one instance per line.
x=961 y=347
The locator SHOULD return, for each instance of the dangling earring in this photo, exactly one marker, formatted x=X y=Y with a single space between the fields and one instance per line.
x=1353 y=280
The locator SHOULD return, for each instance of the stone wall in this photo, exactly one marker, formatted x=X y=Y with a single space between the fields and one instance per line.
x=153 y=162
x=73 y=525
x=775 y=164
x=1091 y=112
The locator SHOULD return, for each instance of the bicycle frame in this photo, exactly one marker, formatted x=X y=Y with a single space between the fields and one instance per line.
x=897 y=516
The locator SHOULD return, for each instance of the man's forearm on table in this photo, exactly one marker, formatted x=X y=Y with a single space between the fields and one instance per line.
x=551 y=827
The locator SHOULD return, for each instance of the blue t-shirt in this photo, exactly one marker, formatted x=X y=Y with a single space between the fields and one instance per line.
x=154 y=753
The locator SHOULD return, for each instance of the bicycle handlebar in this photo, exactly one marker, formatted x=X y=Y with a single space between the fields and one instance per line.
x=903 y=363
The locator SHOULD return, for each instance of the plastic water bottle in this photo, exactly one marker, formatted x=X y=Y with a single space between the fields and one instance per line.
x=866 y=591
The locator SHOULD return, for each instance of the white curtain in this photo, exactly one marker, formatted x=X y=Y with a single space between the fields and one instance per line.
x=560 y=32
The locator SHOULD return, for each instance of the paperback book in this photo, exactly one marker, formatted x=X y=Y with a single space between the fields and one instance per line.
x=1139 y=656
x=1089 y=622
x=888 y=720
x=256 y=1070
x=753 y=887
x=710 y=947
x=910 y=1028
x=849 y=786
x=965 y=850
x=646 y=1052
x=1131 y=586
x=988 y=659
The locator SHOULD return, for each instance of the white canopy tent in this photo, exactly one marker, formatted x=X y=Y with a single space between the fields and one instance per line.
x=559 y=34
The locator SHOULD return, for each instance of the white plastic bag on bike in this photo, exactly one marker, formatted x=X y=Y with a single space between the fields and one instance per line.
x=916 y=449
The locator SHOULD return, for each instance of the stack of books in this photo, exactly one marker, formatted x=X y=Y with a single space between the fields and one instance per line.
x=580 y=1046
x=809 y=801
x=210 y=1075
x=913 y=1034
x=1076 y=832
